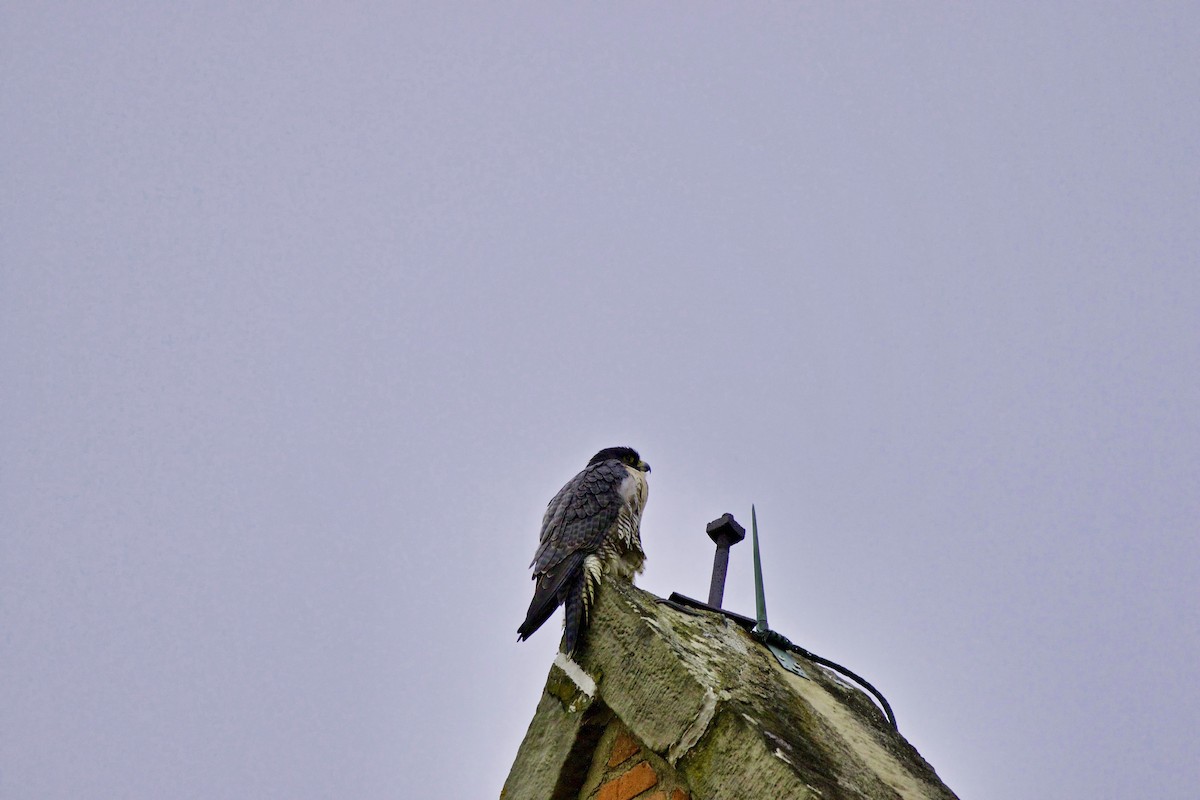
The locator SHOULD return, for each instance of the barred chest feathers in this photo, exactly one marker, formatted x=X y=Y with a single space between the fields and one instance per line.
x=622 y=552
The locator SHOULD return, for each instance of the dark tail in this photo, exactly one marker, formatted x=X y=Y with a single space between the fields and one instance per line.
x=553 y=588
x=539 y=611
x=575 y=616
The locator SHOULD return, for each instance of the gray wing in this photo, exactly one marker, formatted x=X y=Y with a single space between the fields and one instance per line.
x=575 y=524
x=579 y=516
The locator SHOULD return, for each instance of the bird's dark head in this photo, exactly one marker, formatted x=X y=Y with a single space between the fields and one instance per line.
x=626 y=455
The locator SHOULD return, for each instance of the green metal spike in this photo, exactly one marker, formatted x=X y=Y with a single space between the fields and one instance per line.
x=760 y=597
x=768 y=637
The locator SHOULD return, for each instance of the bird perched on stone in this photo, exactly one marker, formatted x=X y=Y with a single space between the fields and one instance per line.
x=591 y=531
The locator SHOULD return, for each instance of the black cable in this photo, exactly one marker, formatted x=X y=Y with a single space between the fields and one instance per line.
x=688 y=605
x=781 y=641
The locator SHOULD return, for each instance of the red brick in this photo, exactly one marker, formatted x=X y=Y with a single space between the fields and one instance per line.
x=629 y=785
x=678 y=794
x=622 y=749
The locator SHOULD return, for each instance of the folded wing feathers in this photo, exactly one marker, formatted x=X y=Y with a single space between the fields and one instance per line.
x=576 y=540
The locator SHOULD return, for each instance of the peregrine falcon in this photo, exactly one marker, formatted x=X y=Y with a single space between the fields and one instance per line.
x=591 y=529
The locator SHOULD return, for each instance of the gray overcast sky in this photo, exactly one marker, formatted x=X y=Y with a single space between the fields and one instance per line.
x=307 y=312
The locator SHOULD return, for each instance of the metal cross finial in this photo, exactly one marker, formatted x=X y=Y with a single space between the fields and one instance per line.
x=726 y=532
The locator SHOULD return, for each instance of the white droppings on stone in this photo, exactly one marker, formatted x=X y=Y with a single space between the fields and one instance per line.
x=704 y=717
x=584 y=682
x=863 y=740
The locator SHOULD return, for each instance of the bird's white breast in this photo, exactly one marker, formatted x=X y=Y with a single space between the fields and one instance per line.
x=627 y=557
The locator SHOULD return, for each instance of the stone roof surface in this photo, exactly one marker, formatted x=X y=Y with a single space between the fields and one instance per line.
x=715 y=706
